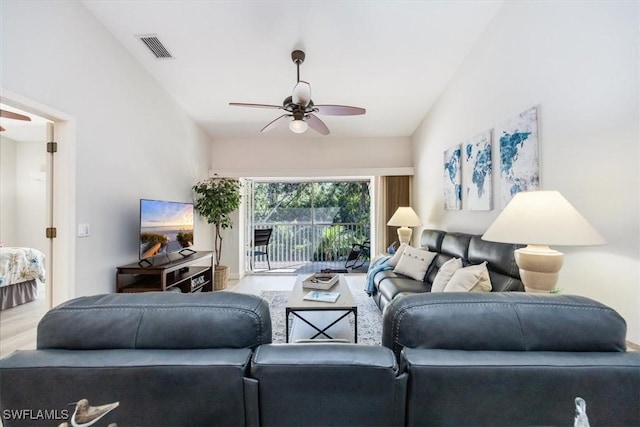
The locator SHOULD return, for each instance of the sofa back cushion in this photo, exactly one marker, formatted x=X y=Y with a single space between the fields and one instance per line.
x=510 y=321
x=432 y=239
x=156 y=320
x=501 y=263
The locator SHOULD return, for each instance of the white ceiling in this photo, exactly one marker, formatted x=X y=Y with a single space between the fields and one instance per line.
x=391 y=57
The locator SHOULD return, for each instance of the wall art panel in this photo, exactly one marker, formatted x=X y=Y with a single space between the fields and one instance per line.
x=452 y=179
x=477 y=173
x=517 y=141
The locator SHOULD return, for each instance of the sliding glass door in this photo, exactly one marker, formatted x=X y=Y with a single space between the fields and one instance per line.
x=311 y=221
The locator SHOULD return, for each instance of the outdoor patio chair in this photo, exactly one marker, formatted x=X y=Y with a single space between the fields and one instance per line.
x=359 y=254
x=261 y=239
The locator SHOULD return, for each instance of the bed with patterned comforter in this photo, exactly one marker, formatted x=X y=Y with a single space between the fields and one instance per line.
x=20 y=270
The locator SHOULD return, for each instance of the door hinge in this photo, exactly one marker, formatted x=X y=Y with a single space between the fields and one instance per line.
x=51 y=232
x=52 y=147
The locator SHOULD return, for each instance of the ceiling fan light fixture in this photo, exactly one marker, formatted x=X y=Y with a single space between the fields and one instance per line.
x=298 y=126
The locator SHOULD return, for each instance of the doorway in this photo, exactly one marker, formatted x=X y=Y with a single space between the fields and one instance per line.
x=26 y=189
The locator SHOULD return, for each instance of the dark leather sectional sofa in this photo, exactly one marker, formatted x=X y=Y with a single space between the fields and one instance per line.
x=470 y=248
x=207 y=360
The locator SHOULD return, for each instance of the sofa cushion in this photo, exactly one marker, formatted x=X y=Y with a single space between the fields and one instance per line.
x=505 y=321
x=414 y=263
x=456 y=245
x=391 y=284
x=432 y=239
x=445 y=273
x=328 y=385
x=154 y=387
x=157 y=320
x=499 y=256
x=474 y=278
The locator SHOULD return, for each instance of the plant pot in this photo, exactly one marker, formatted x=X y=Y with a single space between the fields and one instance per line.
x=220 y=274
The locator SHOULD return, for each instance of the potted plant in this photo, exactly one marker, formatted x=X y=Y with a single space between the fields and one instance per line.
x=215 y=199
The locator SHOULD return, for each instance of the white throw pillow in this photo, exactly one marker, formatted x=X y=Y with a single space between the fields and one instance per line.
x=414 y=263
x=474 y=278
x=393 y=261
x=445 y=274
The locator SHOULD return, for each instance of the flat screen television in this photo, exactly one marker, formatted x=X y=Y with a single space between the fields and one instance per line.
x=165 y=227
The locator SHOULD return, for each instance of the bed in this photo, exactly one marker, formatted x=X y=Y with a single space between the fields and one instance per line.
x=20 y=271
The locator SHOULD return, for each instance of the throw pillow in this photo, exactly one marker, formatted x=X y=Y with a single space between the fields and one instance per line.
x=474 y=278
x=393 y=261
x=445 y=273
x=414 y=263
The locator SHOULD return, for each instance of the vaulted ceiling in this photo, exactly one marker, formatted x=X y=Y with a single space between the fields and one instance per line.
x=391 y=57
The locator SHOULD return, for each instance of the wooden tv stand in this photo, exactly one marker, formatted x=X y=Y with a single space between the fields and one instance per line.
x=170 y=273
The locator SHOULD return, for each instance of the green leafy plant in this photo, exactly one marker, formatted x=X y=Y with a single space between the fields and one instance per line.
x=215 y=199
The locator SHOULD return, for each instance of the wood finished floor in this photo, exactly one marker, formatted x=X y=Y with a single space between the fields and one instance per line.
x=18 y=325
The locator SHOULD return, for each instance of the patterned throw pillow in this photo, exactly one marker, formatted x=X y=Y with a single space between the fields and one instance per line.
x=414 y=263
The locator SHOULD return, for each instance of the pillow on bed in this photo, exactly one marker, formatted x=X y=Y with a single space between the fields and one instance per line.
x=445 y=274
x=414 y=263
x=474 y=278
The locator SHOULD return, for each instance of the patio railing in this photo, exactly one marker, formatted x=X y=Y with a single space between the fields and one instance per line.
x=297 y=243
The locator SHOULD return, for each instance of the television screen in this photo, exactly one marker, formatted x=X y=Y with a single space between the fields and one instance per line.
x=165 y=227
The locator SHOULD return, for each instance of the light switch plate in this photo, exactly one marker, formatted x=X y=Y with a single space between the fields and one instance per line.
x=84 y=230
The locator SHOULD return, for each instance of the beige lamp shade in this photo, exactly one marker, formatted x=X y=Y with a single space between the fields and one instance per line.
x=404 y=217
x=542 y=218
x=539 y=219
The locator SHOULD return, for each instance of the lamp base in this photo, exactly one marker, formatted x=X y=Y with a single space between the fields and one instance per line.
x=404 y=235
x=539 y=266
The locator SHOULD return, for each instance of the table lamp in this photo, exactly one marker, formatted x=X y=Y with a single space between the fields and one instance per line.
x=539 y=219
x=404 y=217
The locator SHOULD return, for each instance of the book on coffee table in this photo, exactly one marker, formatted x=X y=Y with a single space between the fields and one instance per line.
x=322 y=296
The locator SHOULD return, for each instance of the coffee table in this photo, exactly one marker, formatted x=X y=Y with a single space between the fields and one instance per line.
x=322 y=317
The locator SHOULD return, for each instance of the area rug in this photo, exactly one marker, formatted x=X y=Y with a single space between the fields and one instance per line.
x=369 y=316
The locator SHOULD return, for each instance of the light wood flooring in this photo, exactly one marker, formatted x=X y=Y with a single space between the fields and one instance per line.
x=18 y=325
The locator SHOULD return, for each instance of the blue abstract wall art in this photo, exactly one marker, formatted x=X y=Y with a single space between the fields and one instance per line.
x=452 y=179
x=477 y=173
x=518 y=147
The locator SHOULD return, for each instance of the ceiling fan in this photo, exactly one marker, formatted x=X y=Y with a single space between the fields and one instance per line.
x=11 y=115
x=300 y=108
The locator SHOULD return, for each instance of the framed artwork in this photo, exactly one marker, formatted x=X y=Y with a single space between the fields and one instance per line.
x=477 y=172
x=517 y=141
x=452 y=179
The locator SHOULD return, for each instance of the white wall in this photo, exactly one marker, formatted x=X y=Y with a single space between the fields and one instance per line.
x=8 y=156
x=304 y=156
x=577 y=61
x=132 y=141
x=31 y=195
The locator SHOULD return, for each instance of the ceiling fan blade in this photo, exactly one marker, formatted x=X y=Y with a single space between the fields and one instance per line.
x=316 y=124
x=339 y=110
x=10 y=115
x=242 y=104
x=274 y=123
x=302 y=93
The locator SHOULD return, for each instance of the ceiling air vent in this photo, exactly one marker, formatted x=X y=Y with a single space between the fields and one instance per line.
x=155 y=46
